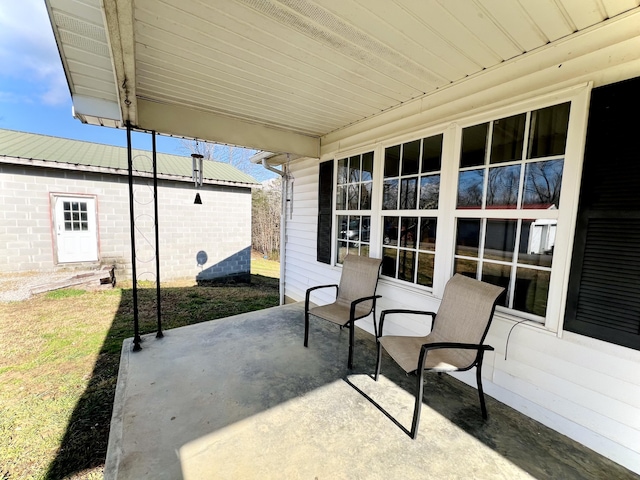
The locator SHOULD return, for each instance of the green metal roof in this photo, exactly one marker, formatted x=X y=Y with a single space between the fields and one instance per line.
x=60 y=151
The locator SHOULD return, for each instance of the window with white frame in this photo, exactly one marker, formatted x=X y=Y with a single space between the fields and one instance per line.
x=509 y=181
x=410 y=196
x=354 y=186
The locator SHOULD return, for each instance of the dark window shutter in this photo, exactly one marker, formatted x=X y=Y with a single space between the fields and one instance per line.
x=604 y=286
x=325 y=211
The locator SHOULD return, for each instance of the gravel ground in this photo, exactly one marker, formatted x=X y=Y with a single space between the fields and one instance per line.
x=15 y=287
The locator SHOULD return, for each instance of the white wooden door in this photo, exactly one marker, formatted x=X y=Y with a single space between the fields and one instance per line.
x=75 y=226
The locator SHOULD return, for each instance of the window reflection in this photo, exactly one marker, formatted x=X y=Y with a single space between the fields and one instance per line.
x=531 y=291
x=365 y=230
x=500 y=275
x=542 y=183
x=470 y=188
x=408 y=232
x=390 y=234
x=408 y=192
x=537 y=239
x=389 y=257
x=352 y=197
x=365 y=196
x=406 y=265
x=502 y=187
x=474 y=145
x=429 y=192
x=392 y=161
x=431 y=154
x=468 y=237
x=410 y=157
x=508 y=139
x=390 y=195
x=367 y=167
x=466 y=267
x=500 y=239
x=425 y=269
x=549 y=128
x=342 y=170
x=353 y=194
x=405 y=239
x=427 y=238
x=353 y=235
x=511 y=251
x=341 y=197
x=342 y=251
x=354 y=169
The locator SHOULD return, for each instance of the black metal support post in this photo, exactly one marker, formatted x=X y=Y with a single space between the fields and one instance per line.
x=159 y=333
x=136 y=325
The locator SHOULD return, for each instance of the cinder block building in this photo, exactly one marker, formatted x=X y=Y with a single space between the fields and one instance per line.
x=64 y=204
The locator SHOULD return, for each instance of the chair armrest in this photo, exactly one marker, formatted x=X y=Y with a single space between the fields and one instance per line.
x=412 y=312
x=440 y=345
x=309 y=290
x=354 y=304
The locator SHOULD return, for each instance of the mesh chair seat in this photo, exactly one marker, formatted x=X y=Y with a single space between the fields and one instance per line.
x=406 y=351
x=338 y=312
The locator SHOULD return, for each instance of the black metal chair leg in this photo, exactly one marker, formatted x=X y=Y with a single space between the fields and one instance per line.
x=378 y=361
x=480 y=390
x=306 y=328
x=351 y=342
x=418 y=407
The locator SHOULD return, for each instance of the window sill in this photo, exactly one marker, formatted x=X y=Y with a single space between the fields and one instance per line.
x=513 y=320
x=408 y=287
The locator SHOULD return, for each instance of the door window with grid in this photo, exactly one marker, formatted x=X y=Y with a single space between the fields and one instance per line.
x=75 y=216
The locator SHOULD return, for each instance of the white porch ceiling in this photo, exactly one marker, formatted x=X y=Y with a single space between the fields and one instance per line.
x=278 y=75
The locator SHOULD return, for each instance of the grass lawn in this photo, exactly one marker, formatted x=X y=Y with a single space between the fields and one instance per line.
x=59 y=356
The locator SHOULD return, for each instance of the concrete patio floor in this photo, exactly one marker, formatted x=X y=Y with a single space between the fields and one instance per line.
x=241 y=398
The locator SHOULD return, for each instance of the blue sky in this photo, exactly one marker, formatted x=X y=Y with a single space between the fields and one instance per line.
x=34 y=95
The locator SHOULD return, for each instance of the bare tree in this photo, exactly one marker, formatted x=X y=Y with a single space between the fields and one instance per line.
x=265 y=228
x=239 y=157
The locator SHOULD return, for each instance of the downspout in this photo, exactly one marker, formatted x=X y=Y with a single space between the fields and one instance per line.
x=283 y=218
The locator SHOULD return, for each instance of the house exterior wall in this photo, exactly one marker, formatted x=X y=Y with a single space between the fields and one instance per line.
x=584 y=388
x=221 y=226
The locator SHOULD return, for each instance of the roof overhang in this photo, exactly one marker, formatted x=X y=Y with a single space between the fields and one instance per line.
x=289 y=76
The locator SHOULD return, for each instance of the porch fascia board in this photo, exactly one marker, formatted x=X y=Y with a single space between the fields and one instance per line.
x=84 y=106
x=192 y=123
x=606 y=53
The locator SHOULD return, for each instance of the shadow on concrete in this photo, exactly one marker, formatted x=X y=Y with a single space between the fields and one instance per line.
x=84 y=445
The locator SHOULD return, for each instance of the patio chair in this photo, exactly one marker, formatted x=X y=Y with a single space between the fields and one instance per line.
x=355 y=298
x=455 y=342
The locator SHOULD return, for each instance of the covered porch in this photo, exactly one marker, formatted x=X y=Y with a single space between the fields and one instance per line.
x=312 y=84
x=242 y=398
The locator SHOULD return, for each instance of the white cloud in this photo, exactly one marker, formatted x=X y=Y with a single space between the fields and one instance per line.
x=28 y=52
